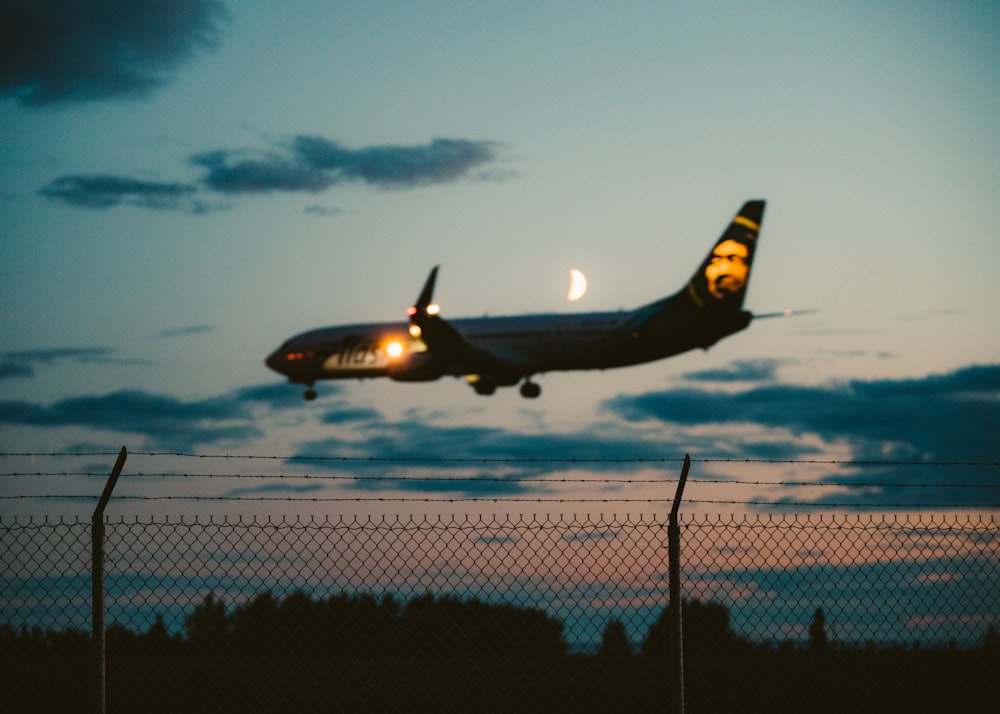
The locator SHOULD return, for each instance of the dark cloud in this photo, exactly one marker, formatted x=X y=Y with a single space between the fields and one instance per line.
x=506 y=462
x=936 y=419
x=106 y=191
x=760 y=370
x=234 y=172
x=309 y=165
x=276 y=396
x=322 y=211
x=272 y=489
x=909 y=431
x=184 y=331
x=20 y=364
x=500 y=459
x=441 y=161
x=412 y=439
x=63 y=51
x=347 y=414
x=14 y=370
x=167 y=422
x=315 y=164
x=481 y=483
x=80 y=354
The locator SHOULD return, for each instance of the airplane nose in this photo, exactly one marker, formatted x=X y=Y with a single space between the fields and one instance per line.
x=275 y=361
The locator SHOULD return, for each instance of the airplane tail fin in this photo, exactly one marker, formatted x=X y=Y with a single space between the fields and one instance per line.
x=720 y=282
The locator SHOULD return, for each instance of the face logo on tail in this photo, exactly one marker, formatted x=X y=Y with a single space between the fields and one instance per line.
x=727 y=269
x=720 y=282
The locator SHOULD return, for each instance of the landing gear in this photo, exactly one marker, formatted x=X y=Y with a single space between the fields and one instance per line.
x=484 y=387
x=310 y=394
x=530 y=390
x=488 y=385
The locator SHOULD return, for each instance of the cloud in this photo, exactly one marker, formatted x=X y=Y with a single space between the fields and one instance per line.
x=63 y=51
x=276 y=396
x=348 y=414
x=272 y=489
x=235 y=172
x=184 y=331
x=487 y=461
x=317 y=210
x=167 y=422
x=80 y=354
x=936 y=419
x=314 y=164
x=411 y=438
x=907 y=430
x=14 y=370
x=308 y=165
x=106 y=191
x=20 y=364
x=760 y=370
x=440 y=161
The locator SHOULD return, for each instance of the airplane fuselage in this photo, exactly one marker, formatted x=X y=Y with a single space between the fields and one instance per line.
x=531 y=344
x=492 y=352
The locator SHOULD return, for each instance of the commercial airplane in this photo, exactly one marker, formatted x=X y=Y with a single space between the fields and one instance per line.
x=493 y=352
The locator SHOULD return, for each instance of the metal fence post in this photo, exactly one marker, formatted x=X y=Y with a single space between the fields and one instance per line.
x=97 y=578
x=676 y=614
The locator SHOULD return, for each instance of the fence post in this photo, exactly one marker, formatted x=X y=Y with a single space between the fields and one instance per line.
x=676 y=613
x=97 y=584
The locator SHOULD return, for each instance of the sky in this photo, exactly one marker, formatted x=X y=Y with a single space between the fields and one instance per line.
x=184 y=185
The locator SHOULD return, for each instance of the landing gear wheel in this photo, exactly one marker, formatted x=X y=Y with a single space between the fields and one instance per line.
x=530 y=390
x=484 y=388
x=310 y=394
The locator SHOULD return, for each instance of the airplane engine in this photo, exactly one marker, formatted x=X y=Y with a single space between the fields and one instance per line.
x=417 y=367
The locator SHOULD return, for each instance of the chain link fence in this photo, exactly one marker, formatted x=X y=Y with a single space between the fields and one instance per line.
x=487 y=613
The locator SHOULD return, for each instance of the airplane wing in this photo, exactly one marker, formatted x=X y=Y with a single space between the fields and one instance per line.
x=444 y=343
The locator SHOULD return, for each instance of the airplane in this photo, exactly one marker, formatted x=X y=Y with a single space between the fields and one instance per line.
x=492 y=352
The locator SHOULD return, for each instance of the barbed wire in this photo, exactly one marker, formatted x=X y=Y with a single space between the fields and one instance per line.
x=508 y=499
x=505 y=459
x=503 y=479
x=538 y=480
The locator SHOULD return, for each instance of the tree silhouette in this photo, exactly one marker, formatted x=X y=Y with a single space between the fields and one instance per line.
x=614 y=642
x=469 y=628
x=706 y=630
x=351 y=652
x=207 y=625
x=817 y=632
x=991 y=639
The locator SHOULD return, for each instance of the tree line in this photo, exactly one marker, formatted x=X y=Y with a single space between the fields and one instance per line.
x=356 y=652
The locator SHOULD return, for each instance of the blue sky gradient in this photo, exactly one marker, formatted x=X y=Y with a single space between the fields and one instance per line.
x=184 y=185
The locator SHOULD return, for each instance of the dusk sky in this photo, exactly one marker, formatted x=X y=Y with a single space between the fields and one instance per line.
x=184 y=185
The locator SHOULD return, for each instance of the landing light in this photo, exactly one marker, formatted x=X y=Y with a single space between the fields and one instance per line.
x=394 y=349
x=415 y=331
x=432 y=309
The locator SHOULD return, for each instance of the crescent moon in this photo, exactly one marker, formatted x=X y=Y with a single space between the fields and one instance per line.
x=577 y=285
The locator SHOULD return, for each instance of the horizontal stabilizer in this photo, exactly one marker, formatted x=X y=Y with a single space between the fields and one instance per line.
x=786 y=313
